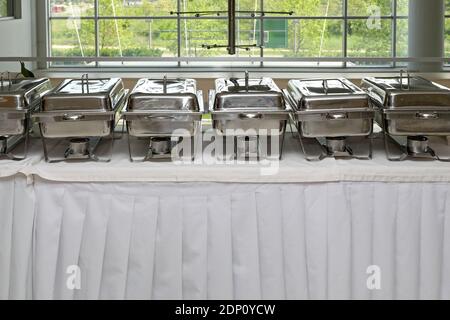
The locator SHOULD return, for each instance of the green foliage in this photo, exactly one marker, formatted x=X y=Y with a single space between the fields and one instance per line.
x=3 y=8
x=158 y=37
x=109 y=52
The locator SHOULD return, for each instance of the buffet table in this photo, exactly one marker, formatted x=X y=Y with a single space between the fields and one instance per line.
x=218 y=231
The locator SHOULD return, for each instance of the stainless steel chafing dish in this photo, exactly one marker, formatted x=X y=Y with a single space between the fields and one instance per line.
x=414 y=114
x=165 y=114
x=84 y=111
x=18 y=99
x=333 y=117
x=247 y=111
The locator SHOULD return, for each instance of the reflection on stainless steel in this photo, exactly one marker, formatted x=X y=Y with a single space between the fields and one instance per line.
x=334 y=110
x=166 y=109
x=410 y=106
x=81 y=109
x=248 y=107
x=19 y=98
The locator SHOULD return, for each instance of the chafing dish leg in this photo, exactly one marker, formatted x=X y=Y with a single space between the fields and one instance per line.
x=311 y=148
x=442 y=159
x=294 y=133
x=388 y=143
x=282 y=140
x=9 y=144
x=3 y=145
x=369 y=151
x=130 y=152
x=94 y=157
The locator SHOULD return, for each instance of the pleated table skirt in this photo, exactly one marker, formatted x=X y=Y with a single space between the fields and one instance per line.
x=224 y=241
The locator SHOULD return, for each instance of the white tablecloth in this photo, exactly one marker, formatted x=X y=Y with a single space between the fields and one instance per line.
x=292 y=169
x=247 y=241
x=227 y=232
x=16 y=232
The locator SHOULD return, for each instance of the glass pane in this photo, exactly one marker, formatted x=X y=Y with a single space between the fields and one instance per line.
x=72 y=8
x=402 y=38
x=202 y=5
x=72 y=38
x=369 y=40
x=196 y=33
x=138 y=38
x=123 y=8
x=219 y=5
x=402 y=7
x=325 y=8
x=447 y=38
x=307 y=38
x=371 y=8
x=3 y=8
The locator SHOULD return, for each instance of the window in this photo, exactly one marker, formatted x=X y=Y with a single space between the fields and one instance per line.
x=145 y=33
x=447 y=29
x=6 y=8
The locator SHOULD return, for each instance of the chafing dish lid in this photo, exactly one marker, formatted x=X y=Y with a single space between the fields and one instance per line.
x=262 y=94
x=405 y=84
x=394 y=92
x=21 y=93
x=239 y=85
x=152 y=86
x=170 y=94
x=326 y=94
x=91 y=86
x=91 y=94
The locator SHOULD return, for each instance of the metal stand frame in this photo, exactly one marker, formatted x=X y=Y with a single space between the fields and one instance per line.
x=324 y=152
x=150 y=156
x=403 y=150
x=10 y=143
x=222 y=139
x=94 y=142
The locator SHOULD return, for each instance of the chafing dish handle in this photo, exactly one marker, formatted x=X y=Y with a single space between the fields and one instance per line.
x=211 y=100
x=161 y=117
x=288 y=100
x=337 y=116
x=73 y=117
x=203 y=108
x=427 y=115
x=250 y=116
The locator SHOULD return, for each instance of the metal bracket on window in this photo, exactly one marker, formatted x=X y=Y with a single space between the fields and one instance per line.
x=231 y=47
x=198 y=14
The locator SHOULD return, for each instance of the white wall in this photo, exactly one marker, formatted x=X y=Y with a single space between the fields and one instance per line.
x=17 y=36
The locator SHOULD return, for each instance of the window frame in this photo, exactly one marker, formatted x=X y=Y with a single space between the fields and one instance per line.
x=446 y=18
x=260 y=61
x=13 y=10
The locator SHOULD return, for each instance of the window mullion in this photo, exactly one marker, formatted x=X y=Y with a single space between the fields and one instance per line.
x=96 y=28
x=179 y=32
x=394 y=32
x=261 y=33
x=345 y=38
